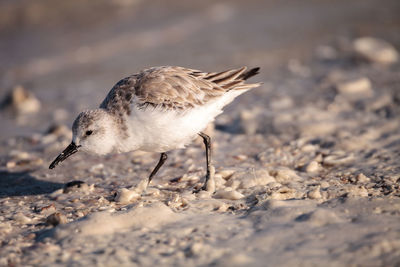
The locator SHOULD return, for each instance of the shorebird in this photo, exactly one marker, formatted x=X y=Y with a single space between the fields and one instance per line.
x=157 y=110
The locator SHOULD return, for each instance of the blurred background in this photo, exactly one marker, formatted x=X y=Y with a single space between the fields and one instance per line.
x=68 y=54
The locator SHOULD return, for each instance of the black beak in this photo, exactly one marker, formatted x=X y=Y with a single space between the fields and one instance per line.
x=71 y=149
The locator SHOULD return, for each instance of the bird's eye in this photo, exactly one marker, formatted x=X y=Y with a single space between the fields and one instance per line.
x=89 y=132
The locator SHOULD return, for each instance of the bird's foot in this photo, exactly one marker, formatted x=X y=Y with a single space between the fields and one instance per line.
x=209 y=184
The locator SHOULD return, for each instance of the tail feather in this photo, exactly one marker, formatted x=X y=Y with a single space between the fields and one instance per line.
x=233 y=79
x=250 y=73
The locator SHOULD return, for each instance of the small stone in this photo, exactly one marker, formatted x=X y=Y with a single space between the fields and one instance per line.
x=250 y=178
x=338 y=158
x=77 y=186
x=97 y=168
x=19 y=155
x=309 y=148
x=126 y=196
x=312 y=167
x=226 y=174
x=56 y=219
x=226 y=194
x=11 y=164
x=56 y=194
x=21 y=101
x=240 y=157
x=315 y=193
x=375 y=50
x=47 y=210
x=195 y=249
x=360 y=87
x=203 y=194
x=284 y=193
x=357 y=191
x=285 y=176
x=152 y=191
x=5 y=228
x=361 y=178
x=324 y=184
x=21 y=218
x=219 y=181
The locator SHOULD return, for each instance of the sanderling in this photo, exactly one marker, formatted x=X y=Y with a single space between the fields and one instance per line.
x=157 y=110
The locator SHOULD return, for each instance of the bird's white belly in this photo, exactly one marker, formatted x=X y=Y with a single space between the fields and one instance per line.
x=158 y=130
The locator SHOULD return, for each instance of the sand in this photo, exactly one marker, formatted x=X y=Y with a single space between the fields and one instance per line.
x=306 y=167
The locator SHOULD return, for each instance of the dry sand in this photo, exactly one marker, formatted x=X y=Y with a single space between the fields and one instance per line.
x=306 y=167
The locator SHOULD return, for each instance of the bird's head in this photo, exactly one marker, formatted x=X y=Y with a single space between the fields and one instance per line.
x=93 y=131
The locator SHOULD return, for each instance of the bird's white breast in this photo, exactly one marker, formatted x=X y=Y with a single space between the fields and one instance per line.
x=159 y=130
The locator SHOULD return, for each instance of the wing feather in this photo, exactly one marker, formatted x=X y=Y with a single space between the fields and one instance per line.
x=174 y=88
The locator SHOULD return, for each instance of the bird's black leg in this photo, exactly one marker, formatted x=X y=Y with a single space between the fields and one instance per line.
x=207 y=143
x=163 y=158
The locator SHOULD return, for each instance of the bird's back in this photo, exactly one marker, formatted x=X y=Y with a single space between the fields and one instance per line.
x=174 y=88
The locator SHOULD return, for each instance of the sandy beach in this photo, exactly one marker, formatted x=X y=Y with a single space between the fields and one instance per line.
x=306 y=166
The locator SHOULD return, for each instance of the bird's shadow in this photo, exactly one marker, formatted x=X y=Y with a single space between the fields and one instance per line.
x=24 y=184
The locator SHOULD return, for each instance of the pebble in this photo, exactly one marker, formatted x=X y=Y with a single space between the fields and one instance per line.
x=312 y=167
x=22 y=101
x=56 y=219
x=250 y=178
x=360 y=87
x=233 y=183
x=315 y=193
x=21 y=218
x=97 y=168
x=228 y=194
x=47 y=210
x=219 y=181
x=361 y=178
x=5 y=228
x=19 y=155
x=309 y=148
x=375 y=50
x=338 y=158
x=203 y=194
x=77 y=186
x=11 y=164
x=240 y=157
x=226 y=174
x=152 y=191
x=285 y=176
x=125 y=196
x=357 y=191
x=284 y=193
x=324 y=184
x=195 y=249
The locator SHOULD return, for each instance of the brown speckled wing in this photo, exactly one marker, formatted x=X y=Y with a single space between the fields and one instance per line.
x=173 y=88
